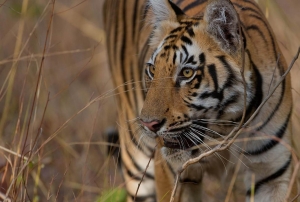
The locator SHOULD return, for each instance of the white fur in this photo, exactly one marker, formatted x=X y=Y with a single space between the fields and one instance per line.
x=162 y=11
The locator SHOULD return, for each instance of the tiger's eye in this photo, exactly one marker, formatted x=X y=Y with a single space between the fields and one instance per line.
x=188 y=72
x=152 y=69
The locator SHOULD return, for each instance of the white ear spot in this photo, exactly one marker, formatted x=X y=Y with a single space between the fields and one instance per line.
x=163 y=17
x=162 y=11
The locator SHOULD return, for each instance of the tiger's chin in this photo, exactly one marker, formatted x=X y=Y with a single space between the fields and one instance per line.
x=175 y=157
x=176 y=153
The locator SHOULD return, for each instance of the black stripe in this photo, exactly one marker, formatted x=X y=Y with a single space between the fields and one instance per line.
x=190 y=60
x=131 y=131
x=142 y=198
x=219 y=93
x=197 y=107
x=272 y=143
x=216 y=93
x=145 y=10
x=275 y=175
x=176 y=30
x=170 y=168
x=131 y=175
x=167 y=47
x=190 y=31
x=213 y=73
x=255 y=28
x=162 y=55
x=275 y=51
x=134 y=141
x=133 y=65
x=123 y=50
x=276 y=108
x=141 y=62
x=134 y=20
x=192 y=181
x=193 y=4
x=186 y=40
x=225 y=104
x=172 y=36
x=258 y=18
x=202 y=59
x=199 y=79
x=133 y=87
x=186 y=23
x=140 y=12
x=175 y=47
x=247 y=8
x=194 y=94
x=181 y=55
x=255 y=5
x=174 y=58
x=231 y=77
x=267 y=27
x=133 y=138
x=281 y=72
x=186 y=53
x=258 y=97
x=176 y=9
x=139 y=169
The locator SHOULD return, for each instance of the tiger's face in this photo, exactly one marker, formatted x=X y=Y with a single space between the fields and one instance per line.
x=193 y=82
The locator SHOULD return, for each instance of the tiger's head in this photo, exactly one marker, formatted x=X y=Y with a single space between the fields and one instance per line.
x=193 y=77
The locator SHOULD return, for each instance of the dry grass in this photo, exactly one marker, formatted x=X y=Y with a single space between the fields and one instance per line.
x=72 y=164
x=52 y=143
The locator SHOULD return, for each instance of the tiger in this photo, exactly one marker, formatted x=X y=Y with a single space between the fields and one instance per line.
x=187 y=72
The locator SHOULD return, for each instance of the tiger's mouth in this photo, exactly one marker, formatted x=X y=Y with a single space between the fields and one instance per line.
x=181 y=139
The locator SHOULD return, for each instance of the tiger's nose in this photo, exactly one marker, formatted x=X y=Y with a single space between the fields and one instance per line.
x=153 y=125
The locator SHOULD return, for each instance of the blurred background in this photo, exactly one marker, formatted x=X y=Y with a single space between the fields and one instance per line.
x=58 y=116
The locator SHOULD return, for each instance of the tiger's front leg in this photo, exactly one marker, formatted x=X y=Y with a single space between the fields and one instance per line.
x=189 y=187
x=267 y=174
x=268 y=182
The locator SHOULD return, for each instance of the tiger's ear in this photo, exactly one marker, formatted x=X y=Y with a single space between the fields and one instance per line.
x=223 y=24
x=165 y=10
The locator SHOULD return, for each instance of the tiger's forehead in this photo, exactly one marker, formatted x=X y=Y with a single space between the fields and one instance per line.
x=182 y=32
x=177 y=47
